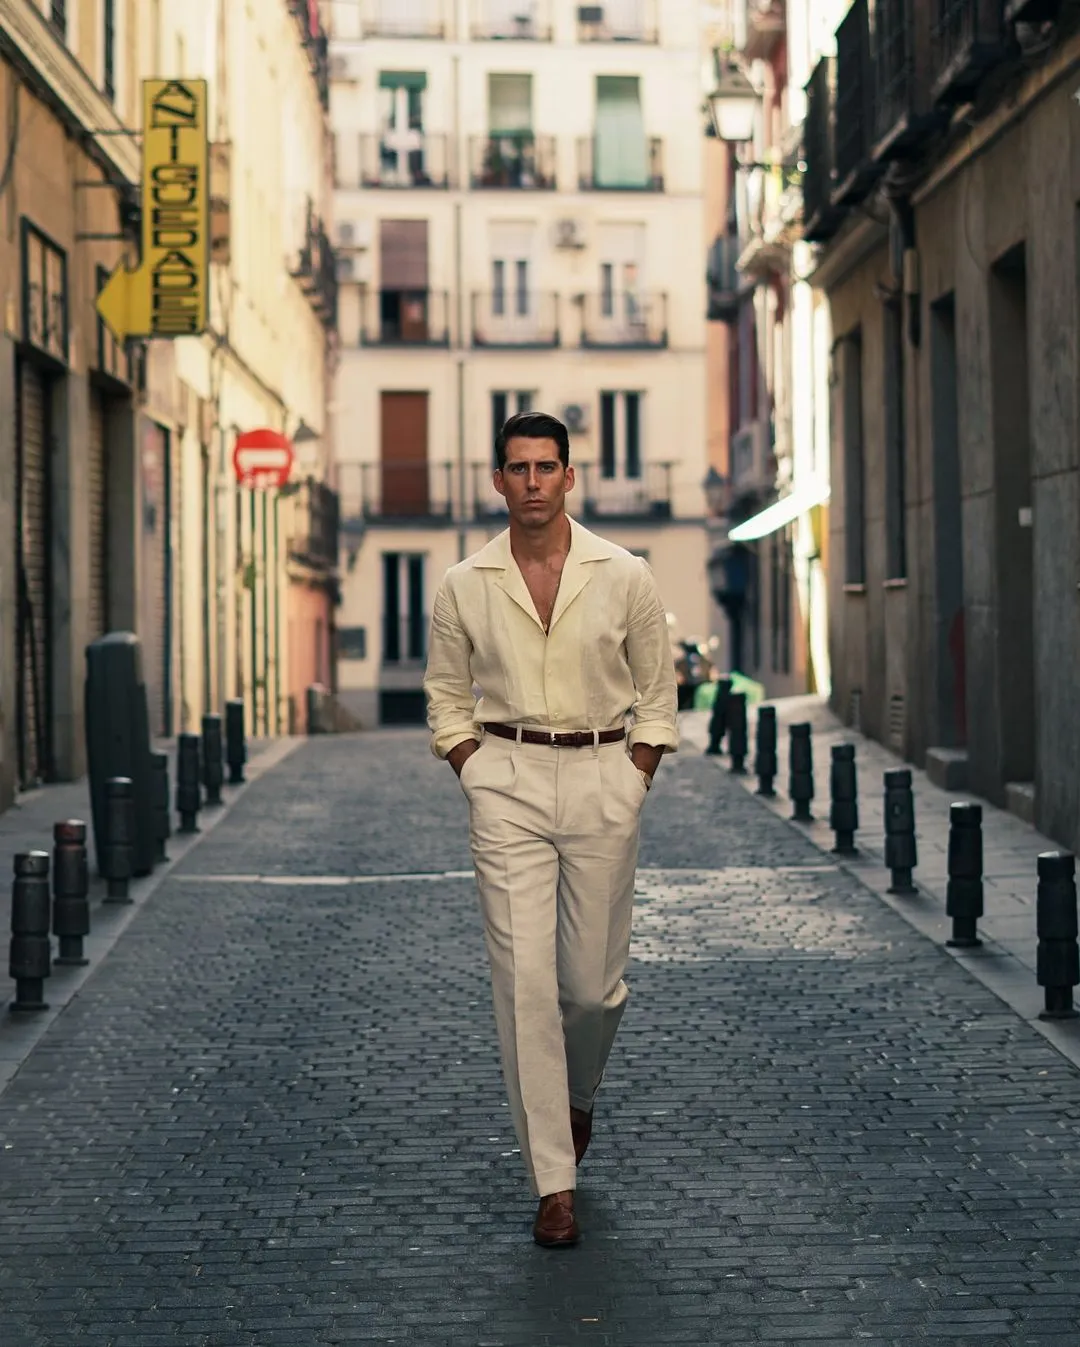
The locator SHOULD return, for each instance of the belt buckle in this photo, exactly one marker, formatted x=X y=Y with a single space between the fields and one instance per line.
x=552 y=735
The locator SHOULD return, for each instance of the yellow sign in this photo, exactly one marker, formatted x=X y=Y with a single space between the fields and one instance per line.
x=167 y=295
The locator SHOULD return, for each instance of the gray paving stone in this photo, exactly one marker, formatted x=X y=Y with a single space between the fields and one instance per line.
x=274 y=1112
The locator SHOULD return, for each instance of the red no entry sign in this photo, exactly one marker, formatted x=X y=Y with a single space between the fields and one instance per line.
x=262 y=459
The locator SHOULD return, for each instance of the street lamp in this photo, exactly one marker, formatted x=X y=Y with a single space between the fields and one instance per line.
x=715 y=487
x=733 y=106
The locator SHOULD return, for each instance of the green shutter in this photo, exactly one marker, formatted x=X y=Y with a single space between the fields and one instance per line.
x=402 y=79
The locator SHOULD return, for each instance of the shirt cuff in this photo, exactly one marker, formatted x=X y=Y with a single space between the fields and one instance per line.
x=446 y=741
x=656 y=733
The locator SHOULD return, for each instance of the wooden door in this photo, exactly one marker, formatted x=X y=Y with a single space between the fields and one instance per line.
x=404 y=454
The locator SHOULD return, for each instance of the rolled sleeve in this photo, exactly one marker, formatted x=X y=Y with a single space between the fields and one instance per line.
x=448 y=684
x=648 y=649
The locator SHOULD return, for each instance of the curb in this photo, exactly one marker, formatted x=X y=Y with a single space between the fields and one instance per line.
x=991 y=964
x=20 y=1034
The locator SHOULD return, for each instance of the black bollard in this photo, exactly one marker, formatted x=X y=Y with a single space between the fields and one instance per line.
x=765 y=758
x=159 y=784
x=737 y=732
x=188 y=795
x=964 y=893
x=118 y=859
x=29 y=963
x=71 y=892
x=900 y=852
x=718 y=719
x=213 y=766
x=235 y=745
x=801 y=772
x=844 y=794
x=1057 y=957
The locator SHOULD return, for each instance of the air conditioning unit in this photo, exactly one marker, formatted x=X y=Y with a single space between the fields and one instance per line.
x=576 y=417
x=345 y=67
x=353 y=235
x=352 y=269
x=569 y=234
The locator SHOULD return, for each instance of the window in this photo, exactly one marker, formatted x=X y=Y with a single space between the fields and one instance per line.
x=352 y=643
x=503 y=407
x=109 y=48
x=848 y=401
x=498 y=288
x=895 y=456
x=404 y=623
x=620 y=148
x=620 y=435
x=58 y=16
x=401 y=121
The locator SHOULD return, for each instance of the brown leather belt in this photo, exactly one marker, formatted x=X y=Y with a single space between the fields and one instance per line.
x=571 y=739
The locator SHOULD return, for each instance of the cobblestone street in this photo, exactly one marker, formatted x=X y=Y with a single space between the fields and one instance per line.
x=274 y=1114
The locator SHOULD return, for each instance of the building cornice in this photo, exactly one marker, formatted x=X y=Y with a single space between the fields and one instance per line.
x=57 y=77
x=855 y=242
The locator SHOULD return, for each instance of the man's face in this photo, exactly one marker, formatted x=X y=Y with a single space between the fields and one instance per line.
x=534 y=482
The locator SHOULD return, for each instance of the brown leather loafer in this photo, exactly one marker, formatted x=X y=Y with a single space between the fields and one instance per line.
x=556 y=1226
x=581 y=1130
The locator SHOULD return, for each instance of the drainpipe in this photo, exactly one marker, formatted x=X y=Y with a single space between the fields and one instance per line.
x=459 y=269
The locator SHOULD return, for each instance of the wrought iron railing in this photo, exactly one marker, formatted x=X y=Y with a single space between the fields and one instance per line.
x=517 y=159
x=894 y=65
x=619 y=21
x=513 y=317
x=819 y=180
x=412 y=159
x=525 y=21
x=393 y=18
x=968 y=36
x=854 y=98
x=317 y=545
x=617 y=318
x=316 y=269
x=600 y=171
x=405 y=317
x=646 y=495
x=394 y=489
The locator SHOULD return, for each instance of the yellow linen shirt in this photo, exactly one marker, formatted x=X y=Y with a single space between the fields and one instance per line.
x=606 y=656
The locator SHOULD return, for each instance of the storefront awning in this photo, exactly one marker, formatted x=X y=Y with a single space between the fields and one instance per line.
x=803 y=498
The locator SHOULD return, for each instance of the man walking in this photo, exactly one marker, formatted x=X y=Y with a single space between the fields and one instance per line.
x=566 y=638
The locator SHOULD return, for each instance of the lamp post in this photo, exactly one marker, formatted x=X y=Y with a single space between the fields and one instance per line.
x=733 y=106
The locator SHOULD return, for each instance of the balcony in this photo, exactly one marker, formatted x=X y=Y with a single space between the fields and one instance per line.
x=725 y=288
x=519 y=161
x=624 y=320
x=516 y=319
x=969 y=37
x=315 y=269
x=396 y=492
x=856 y=171
x=405 y=318
x=820 y=217
x=618 y=21
x=403 y=18
x=765 y=25
x=317 y=546
x=511 y=21
x=647 y=496
x=411 y=159
x=600 y=171
x=903 y=112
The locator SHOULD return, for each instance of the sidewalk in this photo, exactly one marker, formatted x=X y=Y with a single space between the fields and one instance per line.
x=274 y=1114
x=1006 y=960
x=28 y=826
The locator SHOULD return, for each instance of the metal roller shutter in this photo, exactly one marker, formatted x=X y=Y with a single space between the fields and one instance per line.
x=97 y=506
x=33 y=574
x=155 y=600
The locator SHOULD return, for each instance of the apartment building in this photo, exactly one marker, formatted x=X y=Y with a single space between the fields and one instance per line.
x=769 y=353
x=518 y=219
x=119 y=508
x=941 y=193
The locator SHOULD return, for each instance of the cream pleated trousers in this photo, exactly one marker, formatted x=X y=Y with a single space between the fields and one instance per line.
x=554 y=835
